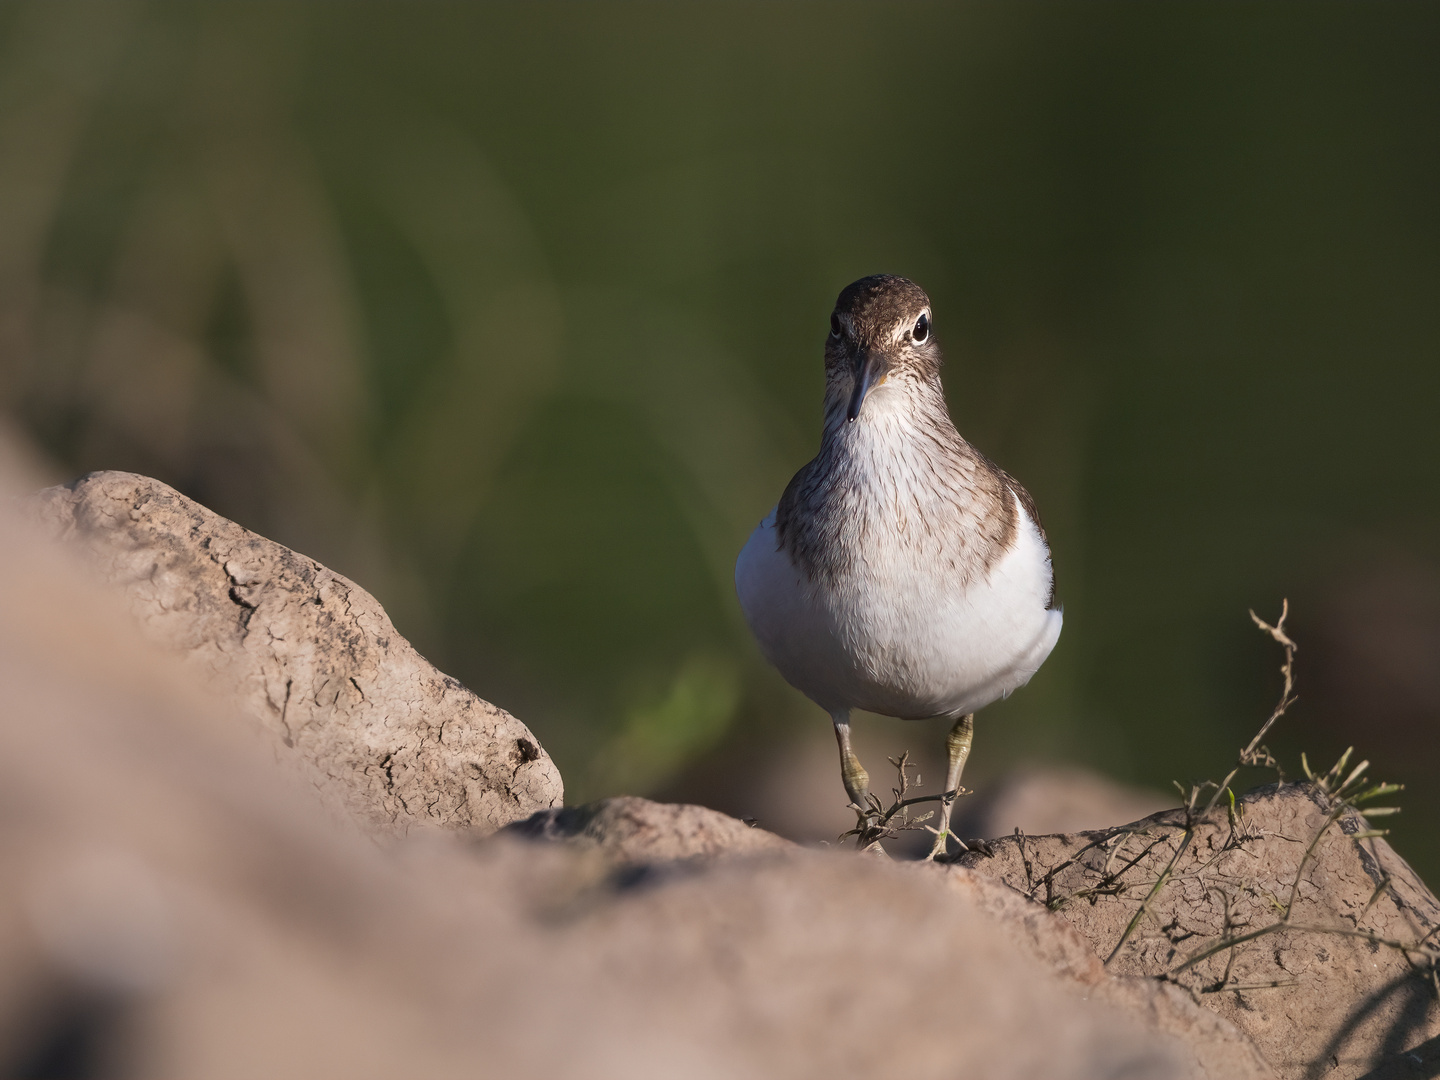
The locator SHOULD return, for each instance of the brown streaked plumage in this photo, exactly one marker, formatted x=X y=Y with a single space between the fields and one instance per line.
x=901 y=572
x=979 y=529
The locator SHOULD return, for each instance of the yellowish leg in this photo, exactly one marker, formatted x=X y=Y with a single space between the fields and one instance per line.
x=957 y=745
x=857 y=780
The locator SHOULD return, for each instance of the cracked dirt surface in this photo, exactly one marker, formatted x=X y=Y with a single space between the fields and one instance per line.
x=311 y=655
x=1317 y=1004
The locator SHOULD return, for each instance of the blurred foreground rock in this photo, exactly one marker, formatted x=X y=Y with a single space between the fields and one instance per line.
x=310 y=655
x=1322 y=997
x=173 y=904
x=631 y=831
x=699 y=846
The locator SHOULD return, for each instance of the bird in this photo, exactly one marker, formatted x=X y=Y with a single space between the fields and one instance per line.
x=902 y=572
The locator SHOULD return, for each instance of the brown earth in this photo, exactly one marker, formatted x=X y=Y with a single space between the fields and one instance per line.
x=310 y=655
x=174 y=904
x=631 y=831
x=1321 y=995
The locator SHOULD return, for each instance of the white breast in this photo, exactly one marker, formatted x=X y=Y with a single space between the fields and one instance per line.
x=902 y=636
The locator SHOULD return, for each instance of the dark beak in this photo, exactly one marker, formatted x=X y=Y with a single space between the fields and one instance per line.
x=870 y=370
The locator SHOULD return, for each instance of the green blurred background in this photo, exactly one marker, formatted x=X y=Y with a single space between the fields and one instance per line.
x=514 y=314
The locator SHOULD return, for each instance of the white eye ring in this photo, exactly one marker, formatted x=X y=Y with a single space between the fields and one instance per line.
x=921 y=332
x=835 y=326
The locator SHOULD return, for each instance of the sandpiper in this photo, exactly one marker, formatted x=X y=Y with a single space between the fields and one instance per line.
x=902 y=572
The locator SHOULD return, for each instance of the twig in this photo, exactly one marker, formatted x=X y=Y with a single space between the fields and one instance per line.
x=1344 y=787
x=880 y=823
x=1287 y=669
x=1254 y=753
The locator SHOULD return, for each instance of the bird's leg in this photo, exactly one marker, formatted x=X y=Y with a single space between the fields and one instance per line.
x=957 y=745
x=857 y=780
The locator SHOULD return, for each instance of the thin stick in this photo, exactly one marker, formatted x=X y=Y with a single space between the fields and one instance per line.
x=1287 y=669
x=1250 y=755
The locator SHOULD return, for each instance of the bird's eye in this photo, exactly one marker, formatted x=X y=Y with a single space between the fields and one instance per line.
x=835 y=326
x=922 y=329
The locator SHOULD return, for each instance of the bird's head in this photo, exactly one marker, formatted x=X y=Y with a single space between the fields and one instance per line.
x=880 y=340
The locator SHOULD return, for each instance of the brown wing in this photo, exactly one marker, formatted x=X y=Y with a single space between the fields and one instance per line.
x=1028 y=502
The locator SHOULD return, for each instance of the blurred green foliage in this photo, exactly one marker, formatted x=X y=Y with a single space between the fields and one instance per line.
x=514 y=314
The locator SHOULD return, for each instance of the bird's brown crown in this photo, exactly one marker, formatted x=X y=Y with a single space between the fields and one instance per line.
x=878 y=303
x=887 y=314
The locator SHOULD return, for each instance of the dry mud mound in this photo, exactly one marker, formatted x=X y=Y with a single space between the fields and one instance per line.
x=1341 y=989
x=310 y=655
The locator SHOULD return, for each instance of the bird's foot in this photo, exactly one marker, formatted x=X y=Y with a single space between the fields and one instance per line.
x=941 y=847
x=874 y=848
x=940 y=851
x=868 y=830
x=970 y=847
x=867 y=817
x=943 y=835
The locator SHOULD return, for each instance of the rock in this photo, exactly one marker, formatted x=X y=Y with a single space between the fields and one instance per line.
x=168 y=893
x=632 y=833
x=1321 y=997
x=174 y=905
x=811 y=964
x=628 y=831
x=1216 y=1046
x=311 y=656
